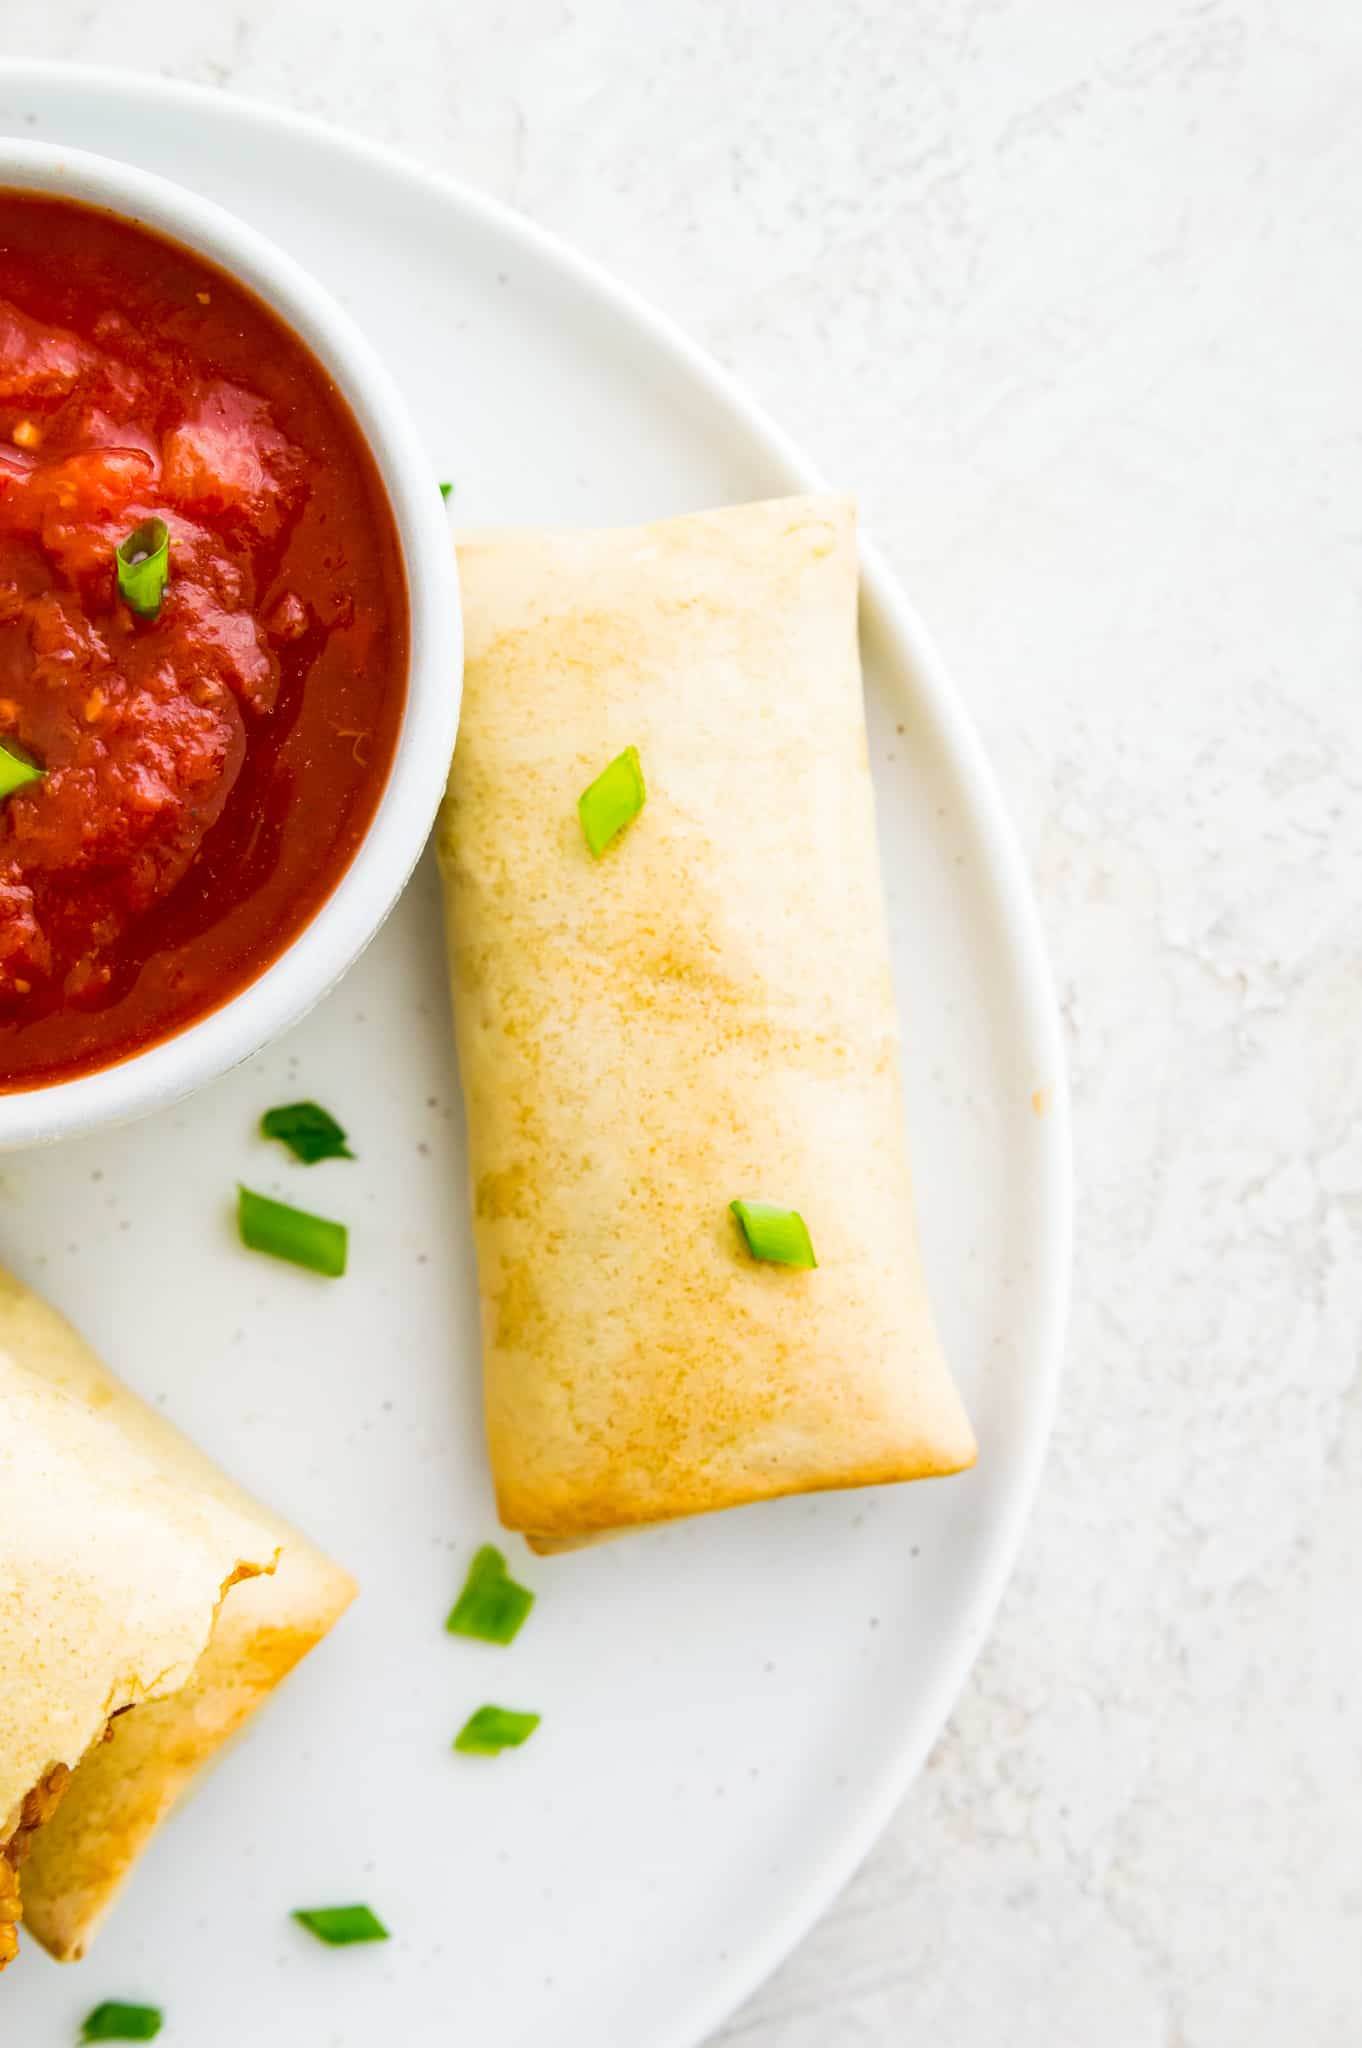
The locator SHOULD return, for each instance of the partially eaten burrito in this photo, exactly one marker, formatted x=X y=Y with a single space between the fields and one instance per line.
x=147 y=1606
x=701 y=1014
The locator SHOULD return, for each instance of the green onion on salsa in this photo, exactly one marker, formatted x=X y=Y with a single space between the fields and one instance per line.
x=612 y=801
x=779 y=1236
x=143 y=563
x=492 y=1608
x=310 y=1132
x=493 y=1729
x=342 y=1926
x=114 y=2021
x=16 y=773
x=287 y=1233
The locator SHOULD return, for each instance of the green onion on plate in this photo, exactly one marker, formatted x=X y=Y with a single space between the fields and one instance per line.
x=287 y=1233
x=493 y=1729
x=16 y=772
x=492 y=1607
x=143 y=565
x=779 y=1236
x=612 y=801
x=342 y=1926
x=114 y=2021
x=446 y=492
x=310 y=1132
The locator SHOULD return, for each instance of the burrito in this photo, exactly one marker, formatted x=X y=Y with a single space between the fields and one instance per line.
x=147 y=1607
x=671 y=989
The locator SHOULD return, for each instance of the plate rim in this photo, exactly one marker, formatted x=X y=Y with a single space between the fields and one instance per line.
x=731 y=1983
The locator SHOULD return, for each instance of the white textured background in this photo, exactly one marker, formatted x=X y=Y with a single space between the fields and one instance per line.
x=1070 y=292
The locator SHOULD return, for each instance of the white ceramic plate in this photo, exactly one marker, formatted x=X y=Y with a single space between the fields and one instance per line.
x=731 y=1709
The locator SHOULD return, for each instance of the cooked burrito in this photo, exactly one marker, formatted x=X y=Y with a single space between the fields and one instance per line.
x=147 y=1607
x=676 y=1028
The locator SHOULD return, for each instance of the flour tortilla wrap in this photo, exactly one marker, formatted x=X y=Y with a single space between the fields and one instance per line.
x=703 y=1013
x=133 y=1576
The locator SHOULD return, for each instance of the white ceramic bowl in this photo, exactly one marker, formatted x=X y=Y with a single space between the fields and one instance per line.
x=372 y=883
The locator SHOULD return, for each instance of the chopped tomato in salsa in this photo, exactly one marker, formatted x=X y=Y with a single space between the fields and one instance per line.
x=209 y=772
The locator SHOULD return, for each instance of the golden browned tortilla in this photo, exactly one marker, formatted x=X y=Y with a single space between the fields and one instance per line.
x=147 y=1606
x=705 y=1012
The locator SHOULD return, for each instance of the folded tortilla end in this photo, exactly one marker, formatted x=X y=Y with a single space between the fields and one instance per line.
x=576 y=1521
x=127 y=1786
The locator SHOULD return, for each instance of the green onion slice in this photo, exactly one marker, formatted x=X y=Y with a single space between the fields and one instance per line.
x=15 y=772
x=612 y=801
x=341 y=1926
x=493 y=1729
x=311 y=1241
x=115 y=2022
x=781 y=1236
x=492 y=1607
x=143 y=563
x=446 y=492
x=310 y=1132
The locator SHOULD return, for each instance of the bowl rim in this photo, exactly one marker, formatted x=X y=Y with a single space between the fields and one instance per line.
x=337 y=933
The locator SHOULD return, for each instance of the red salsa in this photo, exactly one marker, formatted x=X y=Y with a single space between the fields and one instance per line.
x=209 y=771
